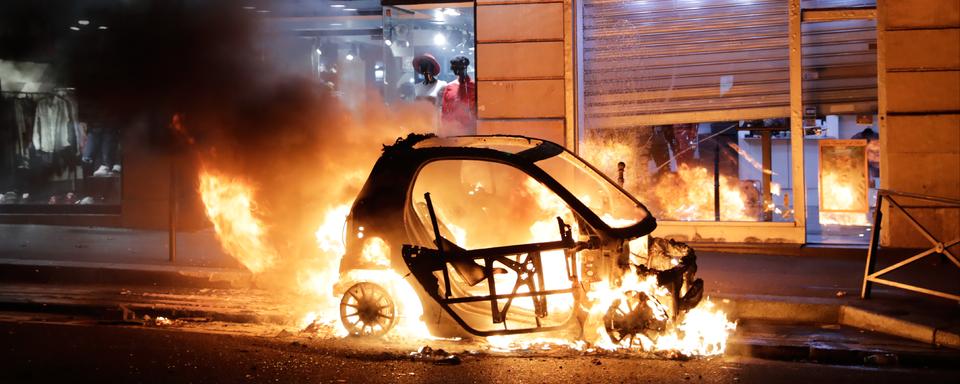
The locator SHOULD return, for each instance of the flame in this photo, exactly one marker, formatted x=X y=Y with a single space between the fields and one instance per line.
x=701 y=331
x=229 y=205
x=375 y=252
x=688 y=195
x=839 y=194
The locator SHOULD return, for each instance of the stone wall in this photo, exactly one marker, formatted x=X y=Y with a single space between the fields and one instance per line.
x=919 y=70
x=524 y=69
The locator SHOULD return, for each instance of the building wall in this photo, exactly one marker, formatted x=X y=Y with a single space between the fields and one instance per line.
x=524 y=68
x=919 y=99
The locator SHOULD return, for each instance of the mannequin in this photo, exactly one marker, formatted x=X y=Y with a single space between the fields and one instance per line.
x=428 y=89
x=459 y=101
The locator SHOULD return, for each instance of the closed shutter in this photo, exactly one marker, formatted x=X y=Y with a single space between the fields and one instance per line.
x=684 y=61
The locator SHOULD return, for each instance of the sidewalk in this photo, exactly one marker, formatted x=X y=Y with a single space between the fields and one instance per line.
x=110 y=245
x=93 y=255
x=827 y=290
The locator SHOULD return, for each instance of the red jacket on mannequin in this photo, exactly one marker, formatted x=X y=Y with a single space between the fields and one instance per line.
x=458 y=113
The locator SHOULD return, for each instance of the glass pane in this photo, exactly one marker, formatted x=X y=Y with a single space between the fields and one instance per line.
x=420 y=42
x=701 y=171
x=842 y=173
x=840 y=102
x=60 y=147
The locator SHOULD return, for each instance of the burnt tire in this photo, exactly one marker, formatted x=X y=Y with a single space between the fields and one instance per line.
x=630 y=317
x=367 y=309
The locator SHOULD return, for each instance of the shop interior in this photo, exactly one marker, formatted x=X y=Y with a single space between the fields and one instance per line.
x=60 y=153
x=403 y=52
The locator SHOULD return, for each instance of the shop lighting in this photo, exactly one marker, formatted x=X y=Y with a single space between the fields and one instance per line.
x=83 y=22
x=263 y=11
x=319 y=52
x=388 y=42
x=249 y=7
x=349 y=57
x=439 y=39
x=102 y=27
x=337 y=5
x=75 y=28
x=335 y=24
x=350 y=9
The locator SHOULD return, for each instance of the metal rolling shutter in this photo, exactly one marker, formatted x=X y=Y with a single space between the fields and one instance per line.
x=679 y=61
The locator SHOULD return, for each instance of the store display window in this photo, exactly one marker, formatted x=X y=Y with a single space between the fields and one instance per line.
x=430 y=59
x=61 y=151
x=701 y=171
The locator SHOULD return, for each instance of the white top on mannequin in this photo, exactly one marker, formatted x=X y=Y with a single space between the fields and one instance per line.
x=429 y=91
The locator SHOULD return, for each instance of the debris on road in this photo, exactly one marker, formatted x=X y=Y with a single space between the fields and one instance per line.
x=437 y=356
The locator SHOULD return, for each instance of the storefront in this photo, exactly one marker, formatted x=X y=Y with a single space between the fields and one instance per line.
x=61 y=152
x=727 y=117
x=693 y=99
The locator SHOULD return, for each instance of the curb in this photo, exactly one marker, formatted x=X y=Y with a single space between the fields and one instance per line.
x=71 y=272
x=826 y=353
x=864 y=319
x=813 y=310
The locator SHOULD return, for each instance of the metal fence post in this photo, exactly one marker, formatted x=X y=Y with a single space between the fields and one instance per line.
x=871 y=264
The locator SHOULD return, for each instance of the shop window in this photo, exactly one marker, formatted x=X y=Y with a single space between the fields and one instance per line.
x=842 y=156
x=430 y=59
x=61 y=154
x=701 y=171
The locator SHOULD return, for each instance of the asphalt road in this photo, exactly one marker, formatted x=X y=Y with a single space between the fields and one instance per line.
x=51 y=352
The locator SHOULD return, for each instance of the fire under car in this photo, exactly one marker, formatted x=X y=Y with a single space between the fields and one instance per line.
x=502 y=235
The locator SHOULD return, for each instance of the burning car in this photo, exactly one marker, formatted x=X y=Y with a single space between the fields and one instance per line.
x=503 y=235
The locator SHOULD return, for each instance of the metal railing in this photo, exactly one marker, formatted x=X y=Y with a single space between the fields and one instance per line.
x=938 y=247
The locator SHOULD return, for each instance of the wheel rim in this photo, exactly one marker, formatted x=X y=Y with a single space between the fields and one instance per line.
x=367 y=309
x=627 y=319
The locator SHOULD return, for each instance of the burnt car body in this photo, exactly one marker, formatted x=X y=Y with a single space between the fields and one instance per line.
x=503 y=282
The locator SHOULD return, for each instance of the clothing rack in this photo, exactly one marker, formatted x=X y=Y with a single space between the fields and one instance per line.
x=35 y=95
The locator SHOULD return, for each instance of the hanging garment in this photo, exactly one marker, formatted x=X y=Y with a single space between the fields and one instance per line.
x=459 y=103
x=24 y=112
x=53 y=127
x=8 y=142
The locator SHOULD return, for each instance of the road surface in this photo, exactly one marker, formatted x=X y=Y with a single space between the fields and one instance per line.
x=44 y=351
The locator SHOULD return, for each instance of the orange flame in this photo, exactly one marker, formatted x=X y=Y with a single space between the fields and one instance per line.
x=839 y=194
x=229 y=205
x=701 y=331
x=689 y=195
